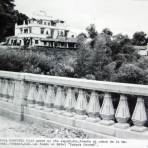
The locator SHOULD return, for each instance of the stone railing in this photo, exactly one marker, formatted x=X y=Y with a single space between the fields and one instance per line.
x=78 y=99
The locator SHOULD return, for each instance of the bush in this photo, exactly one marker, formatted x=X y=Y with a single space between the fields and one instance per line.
x=35 y=61
x=129 y=73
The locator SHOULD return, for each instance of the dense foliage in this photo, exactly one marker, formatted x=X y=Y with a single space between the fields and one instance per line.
x=140 y=39
x=9 y=16
x=109 y=57
x=43 y=61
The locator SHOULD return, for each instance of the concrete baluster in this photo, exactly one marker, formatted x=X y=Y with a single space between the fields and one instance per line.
x=59 y=100
x=5 y=90
x=26 y=92
x=122 y=113
x=19 y=92
x=81 y=105
x=19 y=96
x=69 y=102
x=93 y=108
x=1 y=87
x=50 y=98
x=139 y=116
x=41 y=97
x=11 y=90
x=107 y=110
x=16 y=91
x=32 y=95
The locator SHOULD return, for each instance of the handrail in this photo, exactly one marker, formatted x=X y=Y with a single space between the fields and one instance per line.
x=122 y=88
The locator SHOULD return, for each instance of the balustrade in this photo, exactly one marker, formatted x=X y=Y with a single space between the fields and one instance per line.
x=58 y=94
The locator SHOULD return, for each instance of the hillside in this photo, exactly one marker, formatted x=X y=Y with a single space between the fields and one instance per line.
x=37 y=60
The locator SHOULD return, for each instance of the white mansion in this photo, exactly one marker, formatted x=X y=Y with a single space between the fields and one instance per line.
x=43 y=32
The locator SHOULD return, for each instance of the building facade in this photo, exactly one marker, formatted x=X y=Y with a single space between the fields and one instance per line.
x=42 y=32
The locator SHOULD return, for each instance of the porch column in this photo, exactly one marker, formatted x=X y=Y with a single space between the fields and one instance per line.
x=67 y=45
x=53 y=44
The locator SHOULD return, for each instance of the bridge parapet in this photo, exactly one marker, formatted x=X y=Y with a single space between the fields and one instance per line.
x=96 y=106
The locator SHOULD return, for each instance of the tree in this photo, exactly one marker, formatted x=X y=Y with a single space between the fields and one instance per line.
x=129 y=73
x=6 y=15
x=139 y=38
x=20 y=17
x=92 y=31
x=107 y=31
x=121 y=39
x=81 y=38
x=7 y=5
x=143 y=63
x=82 y=66
x=9 y=17
x=101 y=56
x=121 y=45
x=90 y=63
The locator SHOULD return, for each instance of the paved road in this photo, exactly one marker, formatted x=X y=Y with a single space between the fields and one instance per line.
x=10 y=128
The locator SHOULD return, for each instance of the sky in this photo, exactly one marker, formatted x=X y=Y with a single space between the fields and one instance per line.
x=120 y=16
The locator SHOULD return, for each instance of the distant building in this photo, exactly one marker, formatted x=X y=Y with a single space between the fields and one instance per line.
x=142 y=50
x=42 y=32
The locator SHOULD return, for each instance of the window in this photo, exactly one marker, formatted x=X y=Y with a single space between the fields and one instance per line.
x=48 y=23
x=62 y=34
x=42 y=30
x=44 y=23
x=52 y=33
x=66 y=33
x=30 y=29
x=36 y=41
x=40 y=21
x=21 y=30
x=45 y=43
x=11 y=42
x=25 y=30
x=53 y=23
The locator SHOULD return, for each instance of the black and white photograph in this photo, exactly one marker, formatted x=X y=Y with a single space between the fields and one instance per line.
x=75 y=70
